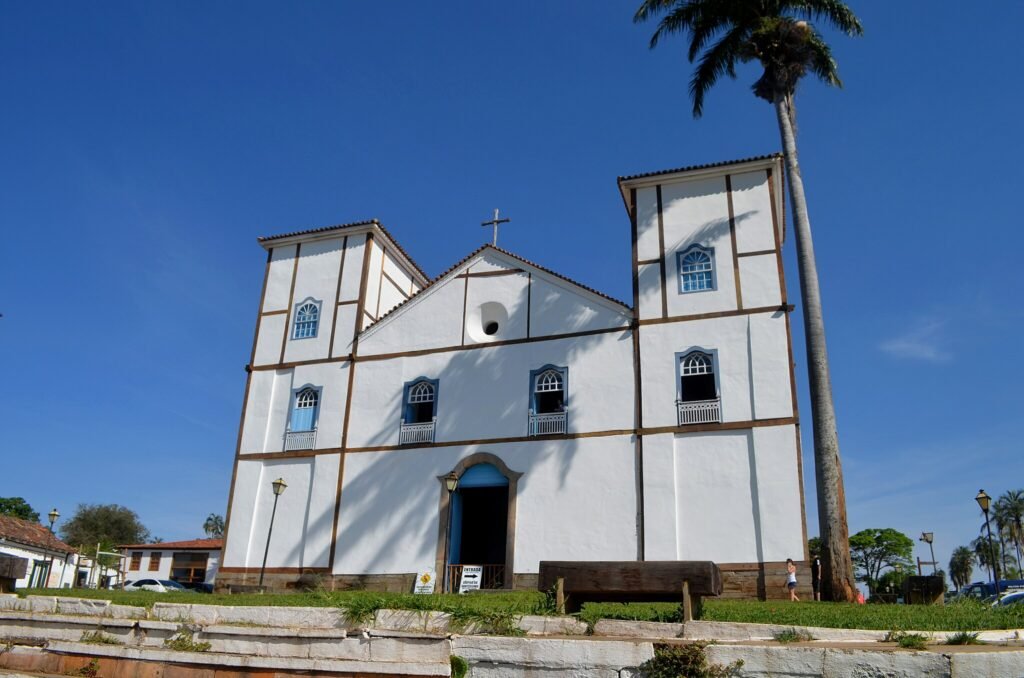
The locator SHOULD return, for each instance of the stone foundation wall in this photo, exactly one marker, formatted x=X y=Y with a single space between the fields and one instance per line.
x=759 y=581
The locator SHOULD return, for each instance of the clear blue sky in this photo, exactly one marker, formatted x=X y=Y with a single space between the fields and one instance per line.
x=146 y=145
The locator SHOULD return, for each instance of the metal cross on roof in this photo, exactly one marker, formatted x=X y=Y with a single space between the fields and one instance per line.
x=494 y=222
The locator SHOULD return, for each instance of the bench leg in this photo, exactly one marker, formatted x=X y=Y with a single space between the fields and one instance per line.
x=560 y=595
x=687 y=602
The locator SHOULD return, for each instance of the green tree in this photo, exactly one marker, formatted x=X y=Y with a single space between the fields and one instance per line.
x=1008 y=512
x=873 y=549
x=214 y=525
x=17 y=507
x=104 y=524
x=724 y=32
x=961 y=566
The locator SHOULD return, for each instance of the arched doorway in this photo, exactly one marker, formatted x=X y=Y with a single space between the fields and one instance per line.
x=482 y=529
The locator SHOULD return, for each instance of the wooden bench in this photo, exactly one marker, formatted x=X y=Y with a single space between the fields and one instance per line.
x=577 y=582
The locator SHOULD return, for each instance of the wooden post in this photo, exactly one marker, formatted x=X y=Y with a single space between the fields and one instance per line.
x=687 y=603
x=560 y=595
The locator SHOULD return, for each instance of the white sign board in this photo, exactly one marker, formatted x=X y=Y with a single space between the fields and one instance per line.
x=425 y=582
x=472 y=575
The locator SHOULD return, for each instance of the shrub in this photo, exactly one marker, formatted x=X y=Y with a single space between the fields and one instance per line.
x=685 y=661
x=793 y=636
x=964 y=638
x=184 y=641
x=459 y=666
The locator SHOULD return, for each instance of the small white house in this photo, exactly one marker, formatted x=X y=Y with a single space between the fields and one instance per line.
x=51 y=562
x=187 y=562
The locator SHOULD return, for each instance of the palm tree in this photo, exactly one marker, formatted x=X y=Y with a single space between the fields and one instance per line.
x=1008 y=512
x=214 y=526
x=961 y=566
x=731 y=31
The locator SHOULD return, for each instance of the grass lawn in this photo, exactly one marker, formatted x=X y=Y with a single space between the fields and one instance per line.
x=501 y=608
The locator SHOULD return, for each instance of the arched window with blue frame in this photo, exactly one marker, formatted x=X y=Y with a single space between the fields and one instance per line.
x=304 y=409
x=420 y=401
x=696 y=269
x=549 y=389
x=697 y=377
x=307 y=319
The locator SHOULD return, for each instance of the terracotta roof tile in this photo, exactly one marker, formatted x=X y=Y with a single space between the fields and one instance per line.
x=205 y=544
x=709 y=165
x=369 y=222
x=31 y=533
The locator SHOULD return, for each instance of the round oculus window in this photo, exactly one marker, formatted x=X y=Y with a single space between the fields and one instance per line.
x=491 y=328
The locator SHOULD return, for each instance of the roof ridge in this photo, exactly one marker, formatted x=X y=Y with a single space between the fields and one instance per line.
x=690 y=168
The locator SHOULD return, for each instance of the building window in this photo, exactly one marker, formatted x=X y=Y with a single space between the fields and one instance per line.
x=696 y=269
x=154 y=561
x=301 y=434
x=307 y=318
x=136 y=560
x=699 y=402
x=420 y=401
x=548 y=400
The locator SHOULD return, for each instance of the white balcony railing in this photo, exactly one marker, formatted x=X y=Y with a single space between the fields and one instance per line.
x=699 y=411
x=417 y=433
x=548 y=423
x=299 y=440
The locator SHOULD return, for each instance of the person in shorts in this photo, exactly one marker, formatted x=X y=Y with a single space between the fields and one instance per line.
x=791 y=579
x=816 y=576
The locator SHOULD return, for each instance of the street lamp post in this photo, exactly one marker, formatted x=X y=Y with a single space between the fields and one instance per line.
x=53 y=515
x=278 y=486
x=451 y=483
x=928 y=538
x=984 y=501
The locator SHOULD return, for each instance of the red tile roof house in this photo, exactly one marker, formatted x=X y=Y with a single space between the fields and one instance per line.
x=34 y=542
x=187 y=562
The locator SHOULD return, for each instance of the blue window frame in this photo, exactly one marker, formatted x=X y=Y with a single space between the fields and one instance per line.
x=696 y=375
x=305 y=406
x=419 y=401
x=549 y=389
x=307 y=319
x=696 y=269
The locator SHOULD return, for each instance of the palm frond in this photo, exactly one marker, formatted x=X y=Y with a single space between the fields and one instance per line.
x=835 y=12
x=719 y=60
x=820 y=60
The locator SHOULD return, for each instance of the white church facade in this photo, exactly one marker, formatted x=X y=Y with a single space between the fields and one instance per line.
x=578 y=427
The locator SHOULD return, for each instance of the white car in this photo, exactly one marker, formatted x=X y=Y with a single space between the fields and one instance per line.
x=157 y=585
x=1011 y=598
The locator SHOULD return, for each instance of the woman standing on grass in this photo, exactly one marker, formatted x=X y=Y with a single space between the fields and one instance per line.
x=791 y=579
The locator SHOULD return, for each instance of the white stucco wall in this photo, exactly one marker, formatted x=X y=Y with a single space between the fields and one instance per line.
x=316 y=279
x=305 y=512
x=163 y=570
x=576 y=500
x=752 y=207
x=484 y=393
x=62 y=573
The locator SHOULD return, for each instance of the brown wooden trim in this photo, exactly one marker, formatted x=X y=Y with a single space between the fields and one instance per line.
x=488 y=274
x=465 y=300
x=661 y=246
x=275 y=570
x=529 y=301
x=756 y=254
x=510 y=525
x=370 y=316
x=397 y=286
x=245 y=401
x=732 y=239
x=778 y=241
x=294 y=454
x=799 y=442
x=350 y=301
x=337 y=296
x=491 y=344
x=337 y=510
x=638 y=413
x=380 y=281
x=725 y=426
x=299 y=363
x=283 y=311
x=647 y=262
x=291 y=296
x=714 y=314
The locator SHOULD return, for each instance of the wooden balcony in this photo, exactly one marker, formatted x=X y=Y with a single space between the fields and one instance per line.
x=411 y=434
x=699 y=411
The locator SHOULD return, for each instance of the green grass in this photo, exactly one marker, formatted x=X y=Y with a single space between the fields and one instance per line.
x=502 y=607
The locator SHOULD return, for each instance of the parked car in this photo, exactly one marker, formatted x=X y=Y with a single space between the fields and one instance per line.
x=199 y=587
x=981 y=590
x=1011 y=598
x=157 y=585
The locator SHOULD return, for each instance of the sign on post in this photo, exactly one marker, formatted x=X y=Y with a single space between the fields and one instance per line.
x=425 y=581
x=472 y=575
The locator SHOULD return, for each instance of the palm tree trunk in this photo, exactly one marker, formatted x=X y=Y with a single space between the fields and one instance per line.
x=837 y=568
